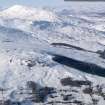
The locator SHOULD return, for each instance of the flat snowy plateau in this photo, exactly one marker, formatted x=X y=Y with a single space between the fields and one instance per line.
x=52 y=56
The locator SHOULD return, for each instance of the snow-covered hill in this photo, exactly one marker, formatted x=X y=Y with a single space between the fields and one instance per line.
x=51 y=57
x=26 y=13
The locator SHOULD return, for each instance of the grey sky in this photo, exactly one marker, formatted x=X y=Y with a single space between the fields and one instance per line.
x=6 y=3
x=38 y=3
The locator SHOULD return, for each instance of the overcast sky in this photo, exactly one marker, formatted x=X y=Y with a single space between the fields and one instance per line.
x=40 y=3
x=6 y=3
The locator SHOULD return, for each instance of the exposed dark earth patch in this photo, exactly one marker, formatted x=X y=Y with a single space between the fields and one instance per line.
x=39 y=93
x=102 y=54
x=79 y=65
x=71 y=46
x=74 y=83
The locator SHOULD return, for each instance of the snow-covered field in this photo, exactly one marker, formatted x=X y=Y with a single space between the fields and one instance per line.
x=52 y=56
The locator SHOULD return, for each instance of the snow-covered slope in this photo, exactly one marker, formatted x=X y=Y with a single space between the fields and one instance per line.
x=51 y=57
x=23 y=12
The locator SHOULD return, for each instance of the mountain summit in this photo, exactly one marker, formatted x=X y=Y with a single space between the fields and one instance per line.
x=28 y=13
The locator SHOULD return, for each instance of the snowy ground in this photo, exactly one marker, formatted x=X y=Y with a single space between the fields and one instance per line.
x=53 y=57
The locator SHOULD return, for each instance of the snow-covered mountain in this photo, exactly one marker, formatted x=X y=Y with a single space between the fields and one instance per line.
x=26 y=13
x=51 y=57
